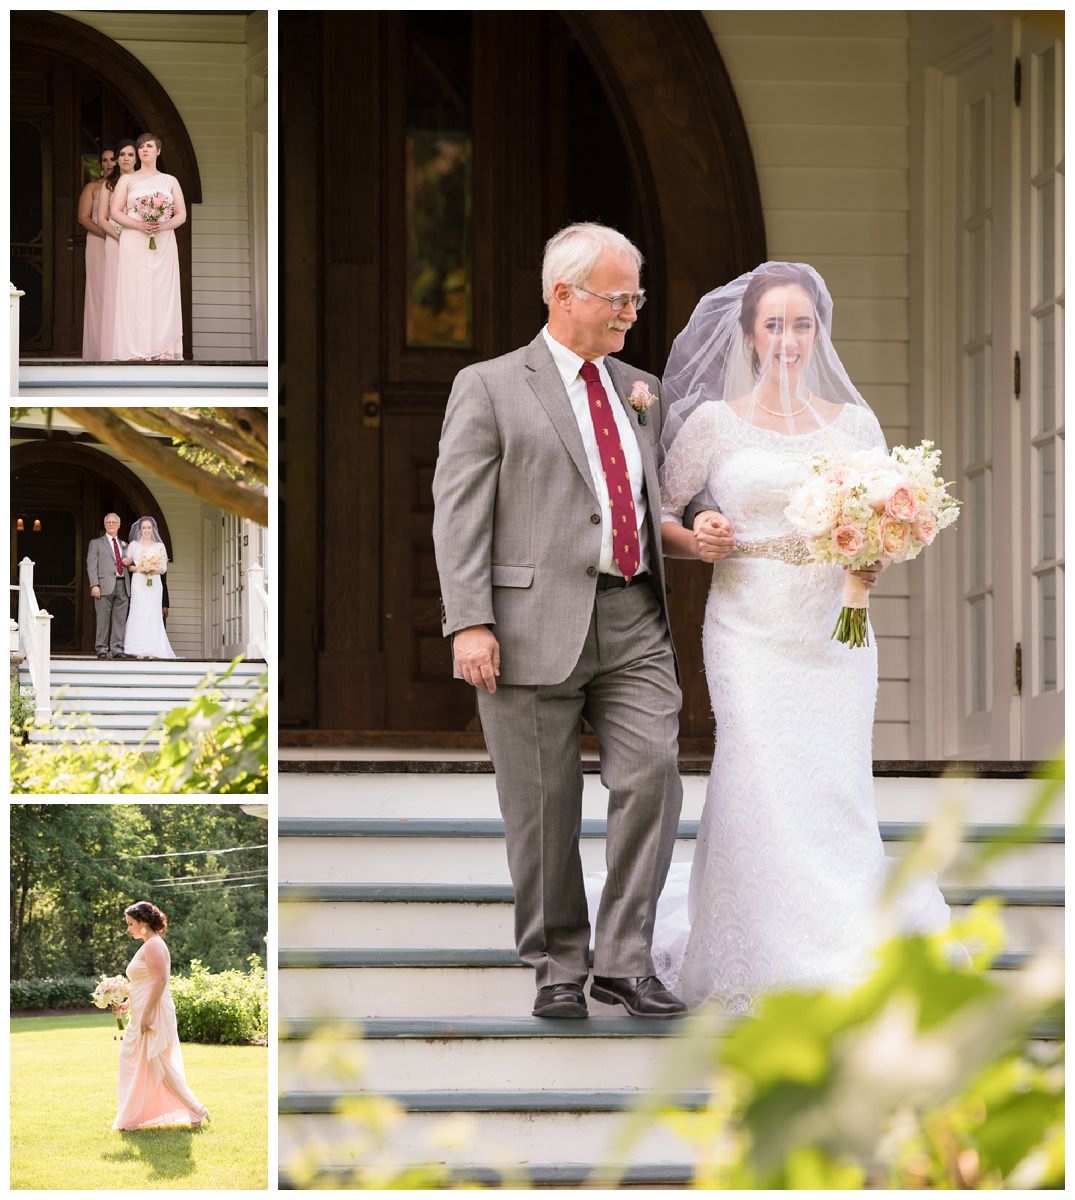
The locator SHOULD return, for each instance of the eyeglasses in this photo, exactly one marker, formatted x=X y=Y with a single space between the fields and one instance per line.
x=636 y=299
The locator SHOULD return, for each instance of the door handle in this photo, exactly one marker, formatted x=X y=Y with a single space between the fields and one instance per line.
x=70 y=243
x=371 y=410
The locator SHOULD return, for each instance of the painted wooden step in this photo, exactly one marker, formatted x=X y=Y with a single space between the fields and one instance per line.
x=142 y=701
x=339 y=851
x=533 y=1175
x=504 y=1138
x=55 y=377
x=382 y=916
x=419 y=796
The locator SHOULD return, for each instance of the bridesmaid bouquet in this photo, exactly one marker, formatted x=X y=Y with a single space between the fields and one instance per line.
x=152 y=560
x=855 y=510
x=152 y=208
x=113 y=989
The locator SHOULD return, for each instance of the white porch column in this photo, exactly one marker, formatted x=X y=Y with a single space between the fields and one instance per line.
x=14 y=334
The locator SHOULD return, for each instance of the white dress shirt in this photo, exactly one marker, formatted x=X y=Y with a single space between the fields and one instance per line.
x=569 y=364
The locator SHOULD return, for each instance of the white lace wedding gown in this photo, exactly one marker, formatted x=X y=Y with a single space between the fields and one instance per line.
x=145 y=635
x=789 y=860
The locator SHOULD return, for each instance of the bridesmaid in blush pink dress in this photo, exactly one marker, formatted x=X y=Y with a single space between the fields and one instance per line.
x=89 y=203
x=152 y=1088
x=149 y=313
x=126 y=157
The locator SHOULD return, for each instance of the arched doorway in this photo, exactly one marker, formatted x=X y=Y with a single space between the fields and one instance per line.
x=73 y=91
x=468 y=139
x=60 y=493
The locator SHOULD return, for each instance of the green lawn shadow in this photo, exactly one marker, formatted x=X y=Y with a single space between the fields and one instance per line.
x=165 y=1153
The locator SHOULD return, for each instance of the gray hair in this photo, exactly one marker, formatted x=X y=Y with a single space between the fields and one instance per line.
x=570 y=255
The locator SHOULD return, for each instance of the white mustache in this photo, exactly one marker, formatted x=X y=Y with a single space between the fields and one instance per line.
x=622 y=326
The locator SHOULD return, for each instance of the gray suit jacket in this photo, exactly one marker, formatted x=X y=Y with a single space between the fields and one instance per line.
x=101 y=564
x=514 y=526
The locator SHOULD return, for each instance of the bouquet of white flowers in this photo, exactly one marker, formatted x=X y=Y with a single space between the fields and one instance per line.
x=112 y=990
x=152 y=560
x=868 y=507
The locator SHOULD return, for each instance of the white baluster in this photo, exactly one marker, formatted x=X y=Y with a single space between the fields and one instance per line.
x=14 y=323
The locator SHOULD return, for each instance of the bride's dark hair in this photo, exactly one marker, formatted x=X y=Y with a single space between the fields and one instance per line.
x=774 y=275
x=149 y=914
x=112 y=178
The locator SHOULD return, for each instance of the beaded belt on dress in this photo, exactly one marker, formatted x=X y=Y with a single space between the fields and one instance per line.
x=788 y=548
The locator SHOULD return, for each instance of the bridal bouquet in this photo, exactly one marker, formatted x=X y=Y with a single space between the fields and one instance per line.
x=152 y=560
x=113 y=989
x=854 y=510
x=152 y=208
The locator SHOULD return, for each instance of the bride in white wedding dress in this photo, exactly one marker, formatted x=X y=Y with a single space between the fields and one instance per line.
x=147 y=558
x=789 y=864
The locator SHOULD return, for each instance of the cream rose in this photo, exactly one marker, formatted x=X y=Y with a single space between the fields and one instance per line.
x=902 y=504
x=879 y=486
x=895 y=538
x=847 y=540
x=810 y=511
x=925 y=528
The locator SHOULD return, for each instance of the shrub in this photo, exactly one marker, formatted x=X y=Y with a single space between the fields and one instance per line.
x=229 y=1008
x=63 y=991
x=209 y=745
x=22 y=710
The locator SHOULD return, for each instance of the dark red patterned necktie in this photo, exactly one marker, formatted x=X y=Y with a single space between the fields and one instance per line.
x=115 y=551
x=625 y=548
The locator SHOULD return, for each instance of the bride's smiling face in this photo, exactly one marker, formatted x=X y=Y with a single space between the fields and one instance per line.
x=784 y=332
x=145 y=531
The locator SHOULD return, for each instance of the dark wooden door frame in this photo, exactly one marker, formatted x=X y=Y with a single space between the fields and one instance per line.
x=684 y=131
x=97 y=54
x=100 y=467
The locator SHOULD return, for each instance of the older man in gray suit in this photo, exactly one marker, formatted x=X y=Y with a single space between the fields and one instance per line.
x=548 y=541
x=109 y=588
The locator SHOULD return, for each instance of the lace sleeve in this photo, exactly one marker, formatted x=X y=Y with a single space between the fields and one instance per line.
x=868 y=430
x=686 y=466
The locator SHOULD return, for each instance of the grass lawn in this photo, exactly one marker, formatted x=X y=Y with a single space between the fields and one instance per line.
x=63 y=1103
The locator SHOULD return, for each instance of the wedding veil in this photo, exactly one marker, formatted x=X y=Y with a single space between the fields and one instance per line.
x=136 y=535
x=762 y=343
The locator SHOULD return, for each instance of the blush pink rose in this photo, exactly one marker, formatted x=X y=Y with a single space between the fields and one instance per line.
x=925 y=527
x=902 y=503
x=847 y=540
x=895 y=537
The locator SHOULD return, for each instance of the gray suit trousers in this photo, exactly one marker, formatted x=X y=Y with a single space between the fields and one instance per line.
x=625 y=685
x=112 y=619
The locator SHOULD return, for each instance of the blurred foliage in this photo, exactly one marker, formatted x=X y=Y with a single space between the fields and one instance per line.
x=229 y=1008
x=211 y=745
x=76 y=867
x=22 y=711
x=62 y=991
x=934 y=1072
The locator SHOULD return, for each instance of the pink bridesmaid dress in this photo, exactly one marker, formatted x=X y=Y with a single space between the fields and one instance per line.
x=149 y=314
x=108 y=296
x=91 y=310
x=152 y=1087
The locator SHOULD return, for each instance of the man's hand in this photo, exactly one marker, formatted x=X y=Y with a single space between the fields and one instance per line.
x=477 y=656
x=95 y=592
x=714 y=535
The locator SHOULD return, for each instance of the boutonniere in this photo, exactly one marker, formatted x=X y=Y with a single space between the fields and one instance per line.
x=641 y=400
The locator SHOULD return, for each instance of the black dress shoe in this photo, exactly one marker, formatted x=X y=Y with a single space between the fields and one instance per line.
x=560 y=1000
x=642 y=997
x=101 y=654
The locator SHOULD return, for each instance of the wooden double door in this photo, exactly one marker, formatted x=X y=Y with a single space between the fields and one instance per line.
x=61 y=117
x=459 y=143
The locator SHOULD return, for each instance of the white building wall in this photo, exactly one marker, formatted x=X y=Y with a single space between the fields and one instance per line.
x=825 y=99
x=201 y=60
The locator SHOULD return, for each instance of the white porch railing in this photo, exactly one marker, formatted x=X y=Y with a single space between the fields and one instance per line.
x=35 y=642
x=257 y=614
x=14 y=344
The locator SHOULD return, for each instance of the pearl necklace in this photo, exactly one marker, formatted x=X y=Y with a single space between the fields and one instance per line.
x=775 y=413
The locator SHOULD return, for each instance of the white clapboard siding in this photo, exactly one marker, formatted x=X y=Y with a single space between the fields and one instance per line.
x=825 y=99
x=200 y=59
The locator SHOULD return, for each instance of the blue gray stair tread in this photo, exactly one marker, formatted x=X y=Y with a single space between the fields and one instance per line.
x=344 y=958
x=609 y=1101
x=541 y=1174
x=1013 y=895
x=483 y=827
x=689 y=765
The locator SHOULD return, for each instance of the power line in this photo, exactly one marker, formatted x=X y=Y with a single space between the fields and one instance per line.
x=180 y=853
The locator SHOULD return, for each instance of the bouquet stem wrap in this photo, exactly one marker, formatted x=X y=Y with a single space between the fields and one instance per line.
x=852 y=625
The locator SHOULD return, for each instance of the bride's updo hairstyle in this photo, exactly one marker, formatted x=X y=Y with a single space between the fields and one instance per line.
x=148 y=914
